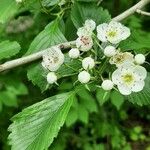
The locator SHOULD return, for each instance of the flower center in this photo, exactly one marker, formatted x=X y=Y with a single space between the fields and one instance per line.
x=112 y=33
x=85 y=40
x=128 y=78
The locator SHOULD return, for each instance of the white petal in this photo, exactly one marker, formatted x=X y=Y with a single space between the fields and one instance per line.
x=83 y=31
x=125 y=33
x=124 y=90
x=141 y=72
x=84 y=43
x=138 y=86
x=53 y=58
x=101 y=32
x=90 y=24
x=116 y=77
x=127 y=67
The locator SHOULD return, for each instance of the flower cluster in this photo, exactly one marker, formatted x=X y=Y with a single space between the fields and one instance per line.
x=126 y=74
x=53 y=58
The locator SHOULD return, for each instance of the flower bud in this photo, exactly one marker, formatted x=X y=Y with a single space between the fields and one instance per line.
x=84 y=77
x=74 y=53
x=88 y=63
x=110 y=51
x=107 y=85
x=51 y=77
x=139 y=59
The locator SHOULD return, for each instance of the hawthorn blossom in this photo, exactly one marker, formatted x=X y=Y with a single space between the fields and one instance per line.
x=84 y=43
x=90 y=24
x=129 y=78
x=121 y=58
x=53 y=58
x=113 y=32
x=83 y=31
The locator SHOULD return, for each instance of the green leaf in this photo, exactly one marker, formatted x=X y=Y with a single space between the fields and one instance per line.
x=51 y=35
x=70 y=67
x=102 y=96
x=48 y=3
x=83 y=114
x=82 y=11
x=137 y=42
x=8 y=98
x=143 y=97
x=37 y=75
x=7 y=9
x=37 y=126
x=72 y=117
x=87 y=100
x=8 y=49
x=117 y=99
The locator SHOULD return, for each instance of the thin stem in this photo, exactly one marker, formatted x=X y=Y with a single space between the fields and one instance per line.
x=131 y=10
x=142 y=12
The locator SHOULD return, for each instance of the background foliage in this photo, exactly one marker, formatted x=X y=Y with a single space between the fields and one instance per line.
x=96 y=120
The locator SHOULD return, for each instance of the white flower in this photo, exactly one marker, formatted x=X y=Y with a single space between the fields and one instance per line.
x=120 y=58
x=74 y=53
x=90 y=24
x=84 y=77
x=88 y=63
x=139 y=59
x=129 y=78
x=53 y=58
x=110 y=51
x=83 y=31
x=107 y=85
x=51 y=77
x=114 y=32
x=84 y=43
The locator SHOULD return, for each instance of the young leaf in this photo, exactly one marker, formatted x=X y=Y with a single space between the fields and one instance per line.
x=117 y=99
x=7 y=9
x=143 y=97
x=37 y=126
x=82 y=11
x=8 y=49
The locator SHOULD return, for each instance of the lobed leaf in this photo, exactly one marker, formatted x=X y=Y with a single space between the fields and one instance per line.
x=7 y=9
x=83 y=11
x=8 y=49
